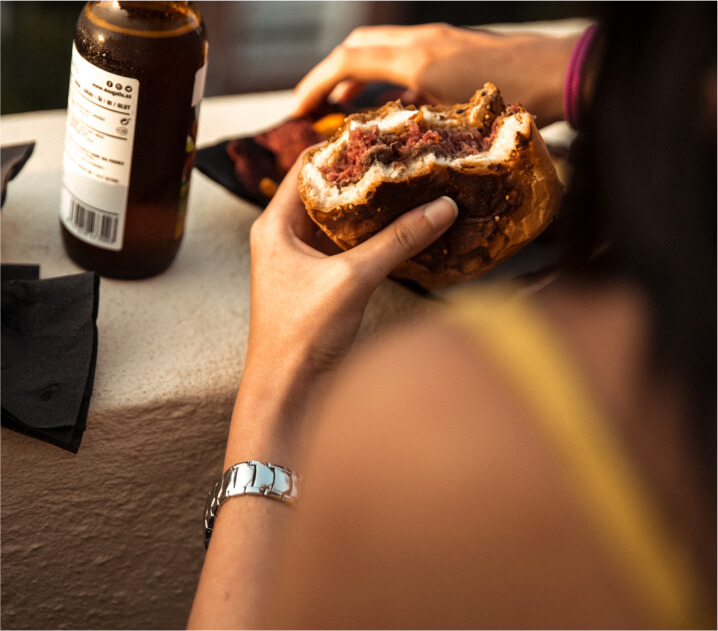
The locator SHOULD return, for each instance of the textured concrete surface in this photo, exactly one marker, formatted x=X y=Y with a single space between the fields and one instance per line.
x=111 y=538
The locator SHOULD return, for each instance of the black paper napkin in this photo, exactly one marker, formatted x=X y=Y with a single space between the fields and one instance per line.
x=13 y=158
x=49 y=351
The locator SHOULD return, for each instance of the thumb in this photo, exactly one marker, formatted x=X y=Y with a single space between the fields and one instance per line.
x=405 y=237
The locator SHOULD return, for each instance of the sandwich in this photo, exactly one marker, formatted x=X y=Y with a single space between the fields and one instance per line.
x=489 y=158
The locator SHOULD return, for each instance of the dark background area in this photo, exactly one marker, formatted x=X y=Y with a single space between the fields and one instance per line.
x=254 y=46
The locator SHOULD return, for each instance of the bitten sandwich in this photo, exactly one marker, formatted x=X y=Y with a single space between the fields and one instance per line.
x=489 y=158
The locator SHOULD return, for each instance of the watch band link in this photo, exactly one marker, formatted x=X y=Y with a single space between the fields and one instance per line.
x=250 y=478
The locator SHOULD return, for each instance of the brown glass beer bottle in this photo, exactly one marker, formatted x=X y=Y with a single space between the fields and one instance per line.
x=137 y=78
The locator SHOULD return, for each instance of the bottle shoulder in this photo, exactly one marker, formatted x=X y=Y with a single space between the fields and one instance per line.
x=143 y=39
x=143 y=19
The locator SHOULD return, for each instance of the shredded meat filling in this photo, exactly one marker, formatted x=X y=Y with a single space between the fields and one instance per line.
x=367 y=145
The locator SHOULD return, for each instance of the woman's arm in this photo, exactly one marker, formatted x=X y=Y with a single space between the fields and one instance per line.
x=446 y=64
x=306 y=307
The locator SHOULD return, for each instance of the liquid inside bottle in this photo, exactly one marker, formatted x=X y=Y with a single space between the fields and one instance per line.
x=137 y=79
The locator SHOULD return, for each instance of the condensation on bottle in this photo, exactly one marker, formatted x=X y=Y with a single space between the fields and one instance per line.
x=137 y=79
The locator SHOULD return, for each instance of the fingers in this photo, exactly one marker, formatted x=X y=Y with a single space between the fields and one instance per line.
x=286 y=219
x=408 y=235
x=374 y=63
x=395 y=54
x=316 y=85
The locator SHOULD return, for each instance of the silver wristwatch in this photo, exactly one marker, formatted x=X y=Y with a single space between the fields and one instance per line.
x=250 y=478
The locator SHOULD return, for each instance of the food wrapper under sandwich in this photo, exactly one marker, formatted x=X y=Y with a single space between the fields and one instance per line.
x=490 y=159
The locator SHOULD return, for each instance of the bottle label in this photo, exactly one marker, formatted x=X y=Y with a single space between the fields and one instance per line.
x=100 y=133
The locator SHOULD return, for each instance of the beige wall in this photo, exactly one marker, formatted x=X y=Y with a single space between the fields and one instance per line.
x=109 y=538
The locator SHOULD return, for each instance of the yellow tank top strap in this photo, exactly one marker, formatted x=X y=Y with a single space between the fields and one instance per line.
x=529 y=353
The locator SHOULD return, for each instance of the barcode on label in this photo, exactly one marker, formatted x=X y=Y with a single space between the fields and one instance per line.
x=98 y=225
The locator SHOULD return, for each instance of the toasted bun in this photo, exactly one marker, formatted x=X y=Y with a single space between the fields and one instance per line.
x=507 y=190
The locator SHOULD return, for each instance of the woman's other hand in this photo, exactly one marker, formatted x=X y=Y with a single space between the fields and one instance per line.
x=443 y=63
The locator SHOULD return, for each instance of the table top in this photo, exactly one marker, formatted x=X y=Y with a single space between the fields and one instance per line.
x=180 y=336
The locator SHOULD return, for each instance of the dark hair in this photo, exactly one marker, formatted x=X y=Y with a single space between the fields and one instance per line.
x=645 y=184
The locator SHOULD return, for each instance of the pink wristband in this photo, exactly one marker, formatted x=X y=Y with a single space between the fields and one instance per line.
x=572 y=85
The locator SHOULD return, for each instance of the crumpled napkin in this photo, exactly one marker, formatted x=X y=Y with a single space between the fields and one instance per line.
x=49 y=352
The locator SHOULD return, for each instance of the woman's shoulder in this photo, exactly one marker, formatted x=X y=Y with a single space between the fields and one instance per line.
x=456 y=497
x=434 y=482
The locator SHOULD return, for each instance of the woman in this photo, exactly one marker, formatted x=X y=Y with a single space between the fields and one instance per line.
x=452 y=480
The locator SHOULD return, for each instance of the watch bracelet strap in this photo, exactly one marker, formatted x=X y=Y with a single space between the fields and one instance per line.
x=250 y=478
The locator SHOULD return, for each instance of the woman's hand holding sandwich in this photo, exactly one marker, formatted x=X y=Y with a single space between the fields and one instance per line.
x=306 y=308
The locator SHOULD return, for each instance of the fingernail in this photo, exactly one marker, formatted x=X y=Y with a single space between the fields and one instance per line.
x=441 y=213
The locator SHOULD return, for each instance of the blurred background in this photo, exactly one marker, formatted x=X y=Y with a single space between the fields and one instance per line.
x=254 y=46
